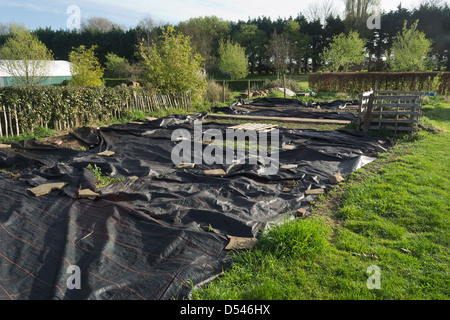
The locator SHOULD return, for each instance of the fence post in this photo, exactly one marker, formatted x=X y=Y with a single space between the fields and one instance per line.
x=368 y=115
x=17 y=120
x=1 y=129
x=248 y=90
x=6 y=121
x=284 y=84
x=223 y=90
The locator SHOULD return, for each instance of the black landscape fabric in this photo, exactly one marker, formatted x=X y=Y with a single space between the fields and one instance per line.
x=280 y=107
x=161 y=230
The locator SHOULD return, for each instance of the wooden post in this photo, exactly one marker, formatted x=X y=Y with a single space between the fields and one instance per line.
x=284 y=84
x=1 y=129
x=6 y=121
x=368 y=115
x=10 y=122
x=17 y=120
x=248 y=90
x=223 y=90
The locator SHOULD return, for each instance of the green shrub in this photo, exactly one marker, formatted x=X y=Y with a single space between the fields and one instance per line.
x=214 y=92
x=290 y=84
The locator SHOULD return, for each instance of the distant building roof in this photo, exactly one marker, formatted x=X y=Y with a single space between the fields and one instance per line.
x=56 y=68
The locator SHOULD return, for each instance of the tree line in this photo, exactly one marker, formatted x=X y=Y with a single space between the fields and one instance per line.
x=292 y=45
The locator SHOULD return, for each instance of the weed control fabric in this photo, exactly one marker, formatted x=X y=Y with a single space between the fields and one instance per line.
x=160 y=231
x=279 y=107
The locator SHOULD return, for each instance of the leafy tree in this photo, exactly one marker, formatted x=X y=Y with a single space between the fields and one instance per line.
x=253 y=39
x=410 y=49
x=293 y=35
x=85 y=67
x=205 y=34
x=344 y=52
x=116 y=67
x=435 y=22
x=26 y=58
x=232 y=60
x=171 y=65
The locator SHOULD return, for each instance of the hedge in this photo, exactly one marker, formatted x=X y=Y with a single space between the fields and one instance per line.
x=357 y=82
x=22 y=109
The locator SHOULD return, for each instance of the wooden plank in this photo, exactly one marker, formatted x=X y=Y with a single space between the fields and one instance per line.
x=400 y=113
x=258 y=127
x=368 y=114
x=384 y=120
x=284 y=119
x=387 y=92
x=403 y=105
x=397 y=97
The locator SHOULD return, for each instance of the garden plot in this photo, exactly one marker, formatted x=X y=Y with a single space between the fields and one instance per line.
x=340 y=110
x=161 y=229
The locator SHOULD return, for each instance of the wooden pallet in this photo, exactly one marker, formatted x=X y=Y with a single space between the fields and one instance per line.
x=398 y=111
x=258 y=127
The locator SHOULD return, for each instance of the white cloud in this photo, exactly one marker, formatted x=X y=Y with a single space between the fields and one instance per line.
x=29 y=5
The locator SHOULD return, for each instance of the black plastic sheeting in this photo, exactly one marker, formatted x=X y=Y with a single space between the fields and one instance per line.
x=281 y=102
x=160 y=231
x=280 y=107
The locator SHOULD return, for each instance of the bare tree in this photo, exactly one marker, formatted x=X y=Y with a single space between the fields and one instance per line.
x=99 y=24
x=279 y=52
x=147 y=26
x=4 y=29
x=321 y=11
x=357 y=12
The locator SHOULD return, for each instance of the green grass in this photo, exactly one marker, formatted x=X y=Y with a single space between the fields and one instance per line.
x=102 y=180
x=38 y=133
x=392 y=213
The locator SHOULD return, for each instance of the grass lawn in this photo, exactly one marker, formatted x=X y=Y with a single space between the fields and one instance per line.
x=391 y=216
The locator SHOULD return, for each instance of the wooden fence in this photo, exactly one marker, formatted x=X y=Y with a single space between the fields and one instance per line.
x=155 y=102
x=398 y=111
x=15 y=118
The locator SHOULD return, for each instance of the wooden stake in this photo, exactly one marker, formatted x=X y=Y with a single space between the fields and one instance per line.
x=10 y=122
x=1 y=129
x=17 y=120
x=223 y=90
x=6 y=121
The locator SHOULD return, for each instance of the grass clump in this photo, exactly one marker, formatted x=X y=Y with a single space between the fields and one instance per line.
x=102 y=180
x=301 y=238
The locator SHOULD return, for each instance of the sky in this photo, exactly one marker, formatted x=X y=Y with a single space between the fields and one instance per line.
x=128 y=13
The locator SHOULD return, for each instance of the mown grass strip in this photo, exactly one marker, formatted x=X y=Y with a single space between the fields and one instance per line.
x=392 y=214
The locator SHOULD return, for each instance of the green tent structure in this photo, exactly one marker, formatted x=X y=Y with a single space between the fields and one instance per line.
x=54 y=71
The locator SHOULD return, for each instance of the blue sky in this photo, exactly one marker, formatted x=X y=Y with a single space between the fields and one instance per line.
x=52 y=13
